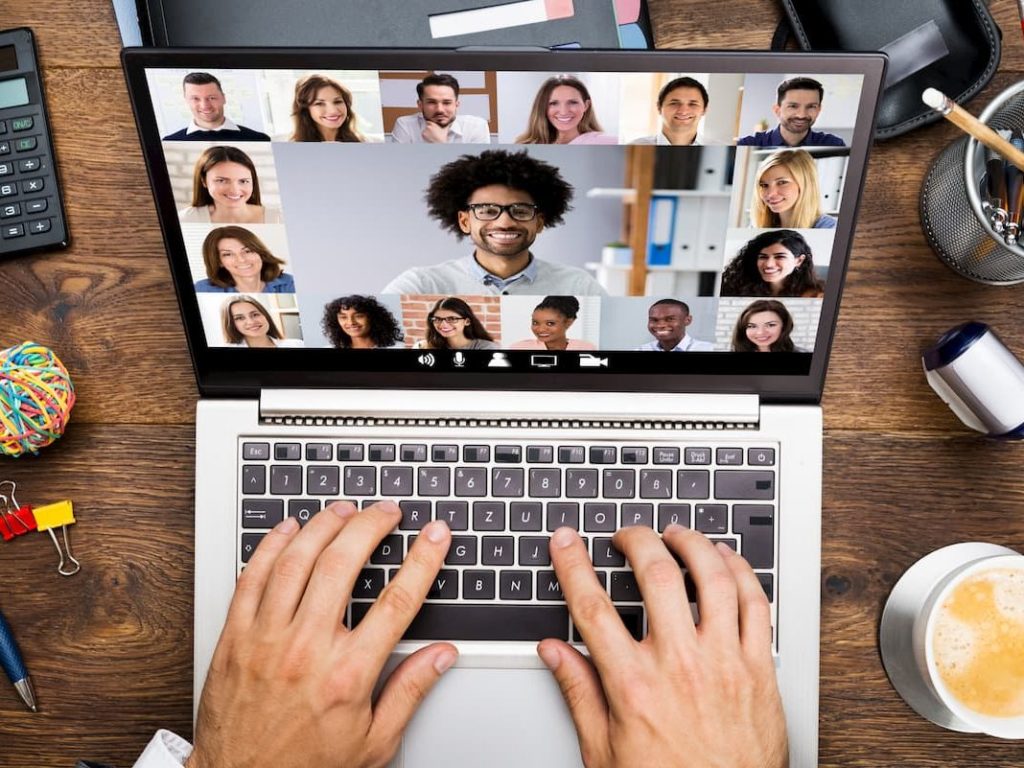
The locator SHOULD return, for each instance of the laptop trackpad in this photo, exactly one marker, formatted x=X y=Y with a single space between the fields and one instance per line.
x=494 y=717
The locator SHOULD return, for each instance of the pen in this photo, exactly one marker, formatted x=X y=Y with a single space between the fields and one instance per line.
x=963 y=119
x=14 y=667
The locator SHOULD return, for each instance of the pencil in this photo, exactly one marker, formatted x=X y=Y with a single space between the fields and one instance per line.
x=1020 y=8
x=967 y=122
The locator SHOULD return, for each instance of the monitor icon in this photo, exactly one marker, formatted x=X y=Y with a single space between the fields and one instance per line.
x=543 y=361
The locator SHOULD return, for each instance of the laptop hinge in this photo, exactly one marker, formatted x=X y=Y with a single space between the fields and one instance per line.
x=464 y=408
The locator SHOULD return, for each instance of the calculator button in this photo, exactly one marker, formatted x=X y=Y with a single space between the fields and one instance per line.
x=14 y=209
x=32 y=185
x=3 y=127
x=35 y=206
x=25 y=145
x=28 y=165
x=13 y=230
x=39 y=226
x=5 y=147
x=6 y=169
x=21 y=123
x=6 y=190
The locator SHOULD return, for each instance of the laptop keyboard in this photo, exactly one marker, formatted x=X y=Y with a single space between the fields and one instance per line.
x=502 y=501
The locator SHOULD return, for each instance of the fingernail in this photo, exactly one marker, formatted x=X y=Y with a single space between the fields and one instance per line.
x=550 y=656
x=725 y=549
x=444 y=661
x=344 y=511
x=287 y=526
x=674 y=528
x=563 y=537
x=436 y=531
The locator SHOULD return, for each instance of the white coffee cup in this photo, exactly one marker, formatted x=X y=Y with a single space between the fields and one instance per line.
x=907 y=636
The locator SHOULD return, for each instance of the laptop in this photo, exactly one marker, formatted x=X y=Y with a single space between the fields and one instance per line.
x=511 y=300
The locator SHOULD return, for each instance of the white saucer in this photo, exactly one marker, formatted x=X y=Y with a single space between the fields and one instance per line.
x=895 y=635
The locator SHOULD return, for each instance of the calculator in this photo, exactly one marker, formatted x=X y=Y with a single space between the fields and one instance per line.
x=31 y=208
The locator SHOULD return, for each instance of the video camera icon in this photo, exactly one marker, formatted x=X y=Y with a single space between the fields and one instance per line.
x=593 y=361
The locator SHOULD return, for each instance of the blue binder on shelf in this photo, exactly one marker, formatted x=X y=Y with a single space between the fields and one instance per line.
x=661 y=225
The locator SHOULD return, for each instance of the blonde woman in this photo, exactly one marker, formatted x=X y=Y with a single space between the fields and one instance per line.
x=786 y=193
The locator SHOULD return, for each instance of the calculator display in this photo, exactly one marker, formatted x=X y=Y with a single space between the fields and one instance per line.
x=13 y=93
x=8 y=58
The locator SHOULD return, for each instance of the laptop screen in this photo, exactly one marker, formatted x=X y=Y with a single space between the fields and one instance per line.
x=678 y=221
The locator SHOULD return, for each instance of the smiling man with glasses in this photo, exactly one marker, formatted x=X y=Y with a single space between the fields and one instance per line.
x=502 y=201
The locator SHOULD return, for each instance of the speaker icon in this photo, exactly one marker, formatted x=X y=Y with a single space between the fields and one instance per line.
x=428 y=360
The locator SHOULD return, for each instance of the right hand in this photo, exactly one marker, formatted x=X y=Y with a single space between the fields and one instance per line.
x=685 y=696
x=434 y=133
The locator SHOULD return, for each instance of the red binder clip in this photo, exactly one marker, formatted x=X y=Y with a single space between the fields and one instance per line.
x=15 y=520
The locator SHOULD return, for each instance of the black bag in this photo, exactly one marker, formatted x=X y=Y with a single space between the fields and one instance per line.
x=952 y=45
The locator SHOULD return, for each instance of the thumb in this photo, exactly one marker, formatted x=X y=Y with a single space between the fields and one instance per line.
x=584 y=695
x=406 y=689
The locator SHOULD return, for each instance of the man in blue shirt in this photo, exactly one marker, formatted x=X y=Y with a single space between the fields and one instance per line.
x=205 y=99
x=797 y=108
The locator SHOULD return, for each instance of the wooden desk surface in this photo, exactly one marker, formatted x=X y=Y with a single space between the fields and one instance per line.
x=110 y=649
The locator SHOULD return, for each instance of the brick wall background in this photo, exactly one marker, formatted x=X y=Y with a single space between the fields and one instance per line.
x=416 y=306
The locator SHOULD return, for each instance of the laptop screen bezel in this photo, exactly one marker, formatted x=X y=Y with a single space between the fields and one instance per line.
x=240 y=373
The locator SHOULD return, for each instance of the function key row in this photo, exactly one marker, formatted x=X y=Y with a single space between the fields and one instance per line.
x=506 y=454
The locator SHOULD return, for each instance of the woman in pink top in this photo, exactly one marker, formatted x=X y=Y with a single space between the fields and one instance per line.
x=551 y=320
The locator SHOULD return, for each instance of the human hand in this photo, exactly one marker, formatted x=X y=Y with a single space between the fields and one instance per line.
x=434 y=133
x=289 y=685
x=702 y=696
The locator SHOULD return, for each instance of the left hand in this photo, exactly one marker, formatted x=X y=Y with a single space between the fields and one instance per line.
x=289 y=685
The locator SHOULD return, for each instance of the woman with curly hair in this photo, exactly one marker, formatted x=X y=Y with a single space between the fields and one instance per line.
x=764 y=326
x=360 y=322
x=775 y=263
x=322 y=111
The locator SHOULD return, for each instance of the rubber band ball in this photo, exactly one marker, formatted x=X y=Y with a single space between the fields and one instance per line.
x=36 y=398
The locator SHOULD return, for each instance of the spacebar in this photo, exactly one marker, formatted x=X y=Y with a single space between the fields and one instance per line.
x=437 y=621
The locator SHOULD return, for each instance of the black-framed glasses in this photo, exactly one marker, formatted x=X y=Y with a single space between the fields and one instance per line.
x=491 y=211
x=446 y=320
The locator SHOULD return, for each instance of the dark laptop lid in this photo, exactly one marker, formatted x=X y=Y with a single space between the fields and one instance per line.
x=492 y=220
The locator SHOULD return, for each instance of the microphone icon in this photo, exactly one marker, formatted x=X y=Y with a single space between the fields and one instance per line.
x=459 y=359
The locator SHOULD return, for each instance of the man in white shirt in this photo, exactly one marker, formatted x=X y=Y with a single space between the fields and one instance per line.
x=438 y=121
x=502 y=200
x=667 y=320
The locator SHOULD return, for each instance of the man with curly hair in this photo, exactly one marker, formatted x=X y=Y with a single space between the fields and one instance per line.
x=502 y=200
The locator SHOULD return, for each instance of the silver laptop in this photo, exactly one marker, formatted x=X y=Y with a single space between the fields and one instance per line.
x=511 y=299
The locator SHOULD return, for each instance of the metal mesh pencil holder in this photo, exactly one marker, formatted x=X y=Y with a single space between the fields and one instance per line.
x=951 y=213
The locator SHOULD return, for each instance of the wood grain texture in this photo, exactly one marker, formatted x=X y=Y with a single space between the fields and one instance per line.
x=110 y=649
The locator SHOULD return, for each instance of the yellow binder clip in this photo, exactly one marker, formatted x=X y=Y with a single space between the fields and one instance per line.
x=49 y=517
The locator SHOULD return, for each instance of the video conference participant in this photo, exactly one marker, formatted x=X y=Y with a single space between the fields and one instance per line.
x=786 y=193
x=550 y=322
x=452 y=324
x=205 y=99
x=322 y=111
x=764 y=326
x=502 y=200
x=682 y=104
x=226 y=190
x=667 y=321
x=563 y=113
x=438 y=121
x=797 y=107
x=775 y=263
x=360 y=322
x=237 y=261
x=247 y=323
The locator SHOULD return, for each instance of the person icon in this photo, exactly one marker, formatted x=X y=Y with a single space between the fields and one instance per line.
x=438 y=120
x=797 y=107
x=667 y=321
x=205 y=99
x=502 y=201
